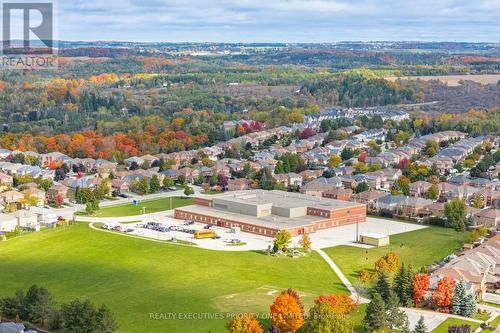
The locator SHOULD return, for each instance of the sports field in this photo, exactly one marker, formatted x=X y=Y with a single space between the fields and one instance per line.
x=150 y=206
x=137 y=278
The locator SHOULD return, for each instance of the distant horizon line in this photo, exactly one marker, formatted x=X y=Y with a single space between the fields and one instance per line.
x=280 y=42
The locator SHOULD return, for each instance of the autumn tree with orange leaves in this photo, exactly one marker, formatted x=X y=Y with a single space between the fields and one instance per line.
x=287 y=312
x=244 y=323
x=443 y=295
x=341 y=303
x=420 y=287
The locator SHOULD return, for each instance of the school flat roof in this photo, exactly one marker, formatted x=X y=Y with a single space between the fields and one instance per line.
x=284 y=199
x=271 y=221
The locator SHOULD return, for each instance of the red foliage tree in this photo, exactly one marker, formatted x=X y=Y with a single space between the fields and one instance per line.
x=59 y=200
x=404 y=164
x=362 y=157
x=420 y=287
x=307 y=133
x=443 y=294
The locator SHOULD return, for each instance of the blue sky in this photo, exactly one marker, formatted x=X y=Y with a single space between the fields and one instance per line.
x=279 y=20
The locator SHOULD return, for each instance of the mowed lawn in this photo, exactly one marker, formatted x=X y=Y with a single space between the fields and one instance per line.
x=137 y=277
x=420 y=248
x=152 y=206
x=443 y=327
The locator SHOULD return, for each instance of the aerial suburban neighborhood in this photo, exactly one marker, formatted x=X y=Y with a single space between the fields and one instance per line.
x=161 y=170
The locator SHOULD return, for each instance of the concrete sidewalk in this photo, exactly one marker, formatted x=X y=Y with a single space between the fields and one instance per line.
x=354 y=293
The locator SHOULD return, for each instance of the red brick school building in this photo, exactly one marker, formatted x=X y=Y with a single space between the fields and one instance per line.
x=267 y=212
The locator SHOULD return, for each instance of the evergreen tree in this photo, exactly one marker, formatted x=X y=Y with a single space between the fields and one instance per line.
x=420 y=327
x=400 y=282
x=154 y=184
x=403 y=283
x=161 y=165
x=469 y=306
x=279 y=168
x=395 y=317
x=406 y=327
x=264 y=183
x=376 y=315
x=458 y=298
x=382 y=286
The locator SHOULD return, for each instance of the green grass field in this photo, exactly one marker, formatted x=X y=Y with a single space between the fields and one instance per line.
x=420 y=248
x=443 y=327
x=152 y=206
x=137 y=277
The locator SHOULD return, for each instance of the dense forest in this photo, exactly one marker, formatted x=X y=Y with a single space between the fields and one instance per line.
x=124 y=101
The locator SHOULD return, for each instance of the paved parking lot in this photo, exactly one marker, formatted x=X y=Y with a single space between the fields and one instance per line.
x=344 y=235
x=248 y=241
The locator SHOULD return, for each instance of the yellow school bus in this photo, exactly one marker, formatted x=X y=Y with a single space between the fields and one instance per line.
x=204 y=234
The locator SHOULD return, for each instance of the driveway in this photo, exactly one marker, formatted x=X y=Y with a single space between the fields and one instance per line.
x=492 y=298
x=431 y=319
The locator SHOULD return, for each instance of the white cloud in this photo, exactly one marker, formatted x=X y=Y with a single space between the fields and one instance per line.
x=279 y=20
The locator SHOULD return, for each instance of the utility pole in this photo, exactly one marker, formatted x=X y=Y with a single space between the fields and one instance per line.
x=357 y=230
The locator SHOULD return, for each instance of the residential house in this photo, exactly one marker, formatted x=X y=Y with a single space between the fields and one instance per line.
x=435 y=209
x=134 y=159
x=478 y=267
x=26 y=219
x=6 y=180
x=281 y=178
x=459 y=180
x=11 y=197
x=239 y=184
x=55 y=191
x=8 y=223
x=294 y=179
x=119 y=186
x=37 y=193
x=189 y=174
x=449 y=191
x=369 y=197
x=57 y=158
x=308 y=175
x=419 y=188
x=414 y=206
x=344 y=194
x=391 y=203
x=344 y=171
x=318 y=186
x=5 y=153
x=489 y=197
x=149 y=158
x=489 y=217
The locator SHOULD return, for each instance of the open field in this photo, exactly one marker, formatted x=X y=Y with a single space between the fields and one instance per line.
x=454 y=80
x=137 y=277
x=152 y=206
x=443 y=328
x=420 y=247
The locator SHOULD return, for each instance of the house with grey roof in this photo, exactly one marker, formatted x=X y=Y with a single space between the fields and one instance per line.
x=390 y=202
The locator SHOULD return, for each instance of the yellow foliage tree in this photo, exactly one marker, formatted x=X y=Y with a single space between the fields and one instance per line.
x=388 y=263
x=334 y=161
x=244 y=323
